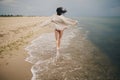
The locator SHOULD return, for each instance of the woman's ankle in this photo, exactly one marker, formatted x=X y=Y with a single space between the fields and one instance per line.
x=58 y=47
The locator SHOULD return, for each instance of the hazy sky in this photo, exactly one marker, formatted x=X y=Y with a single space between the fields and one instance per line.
x=48 y=7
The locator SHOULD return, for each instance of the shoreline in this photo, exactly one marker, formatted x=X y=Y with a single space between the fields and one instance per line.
x=81 y=60
x=12 y=51
x=78 y=59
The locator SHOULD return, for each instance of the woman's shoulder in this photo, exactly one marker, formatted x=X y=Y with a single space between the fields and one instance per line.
x=63 y=17
x=53 y=16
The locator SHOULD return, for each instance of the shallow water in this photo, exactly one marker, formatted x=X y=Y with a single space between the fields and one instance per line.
x=104 y=33
x=77 y=59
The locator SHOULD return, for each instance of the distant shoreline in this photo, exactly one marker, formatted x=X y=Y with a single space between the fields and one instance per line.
x=11 y=15
x=18 y=16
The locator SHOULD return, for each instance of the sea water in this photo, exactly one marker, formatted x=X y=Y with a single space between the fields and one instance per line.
x=84 y=52
x=104 y=33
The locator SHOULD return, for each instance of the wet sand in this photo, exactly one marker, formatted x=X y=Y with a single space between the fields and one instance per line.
x=15 y=34
x=79 y=59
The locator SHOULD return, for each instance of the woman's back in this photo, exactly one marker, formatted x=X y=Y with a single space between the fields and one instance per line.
x=57 y=19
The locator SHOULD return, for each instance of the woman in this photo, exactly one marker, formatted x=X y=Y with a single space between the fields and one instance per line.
x=60 y=23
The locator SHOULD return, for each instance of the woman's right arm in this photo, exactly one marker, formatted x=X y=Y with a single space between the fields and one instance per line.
x=72 y=21
x=69 y=21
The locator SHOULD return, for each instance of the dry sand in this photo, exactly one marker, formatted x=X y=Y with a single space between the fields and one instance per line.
x=15 y=34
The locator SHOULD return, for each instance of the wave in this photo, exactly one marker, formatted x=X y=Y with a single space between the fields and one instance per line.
x=44 y=56
x=77 y=58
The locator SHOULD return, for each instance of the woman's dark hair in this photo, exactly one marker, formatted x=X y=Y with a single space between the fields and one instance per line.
x=60 y=11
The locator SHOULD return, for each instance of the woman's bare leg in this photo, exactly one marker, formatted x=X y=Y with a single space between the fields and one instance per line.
x=59 y=38
x=56 y=37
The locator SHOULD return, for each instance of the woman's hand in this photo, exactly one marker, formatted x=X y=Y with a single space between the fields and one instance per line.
x=75 y=22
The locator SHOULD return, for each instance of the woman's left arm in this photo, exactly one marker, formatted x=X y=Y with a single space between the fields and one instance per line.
x=47 y=22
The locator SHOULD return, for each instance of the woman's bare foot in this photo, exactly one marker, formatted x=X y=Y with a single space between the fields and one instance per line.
x=57 y=55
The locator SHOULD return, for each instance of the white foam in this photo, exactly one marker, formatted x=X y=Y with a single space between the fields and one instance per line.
x=42 y=51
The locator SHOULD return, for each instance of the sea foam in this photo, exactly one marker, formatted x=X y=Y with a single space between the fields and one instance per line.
x=43 y=54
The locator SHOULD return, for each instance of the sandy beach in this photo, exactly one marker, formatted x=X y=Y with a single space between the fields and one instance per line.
x=22 y=40
x=15 y=34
